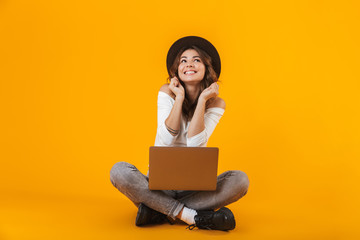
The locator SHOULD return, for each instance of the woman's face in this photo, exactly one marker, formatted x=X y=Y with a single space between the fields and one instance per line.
x=191 y=67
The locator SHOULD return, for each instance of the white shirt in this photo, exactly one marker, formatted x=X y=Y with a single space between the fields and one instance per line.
x=163 y=136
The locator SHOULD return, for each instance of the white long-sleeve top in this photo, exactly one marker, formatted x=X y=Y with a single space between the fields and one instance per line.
x=164 y=137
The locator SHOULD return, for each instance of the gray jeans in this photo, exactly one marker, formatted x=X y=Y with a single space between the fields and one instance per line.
x=231 y=186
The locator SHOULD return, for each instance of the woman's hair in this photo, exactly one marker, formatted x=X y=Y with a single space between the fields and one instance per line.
x=210 y=77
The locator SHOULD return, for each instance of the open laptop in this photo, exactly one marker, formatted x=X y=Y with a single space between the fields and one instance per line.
x=183 y=168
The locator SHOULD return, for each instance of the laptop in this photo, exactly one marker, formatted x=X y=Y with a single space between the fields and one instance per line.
x=183 y=168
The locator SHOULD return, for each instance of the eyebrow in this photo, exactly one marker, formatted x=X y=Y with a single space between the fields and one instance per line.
x=193 y=56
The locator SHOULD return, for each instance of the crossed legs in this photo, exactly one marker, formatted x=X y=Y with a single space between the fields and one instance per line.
x=231 y=186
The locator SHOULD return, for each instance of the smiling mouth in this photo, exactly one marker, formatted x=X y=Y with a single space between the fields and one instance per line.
x=189 y=72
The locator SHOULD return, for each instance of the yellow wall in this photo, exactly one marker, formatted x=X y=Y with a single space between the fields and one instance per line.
x=79 y=82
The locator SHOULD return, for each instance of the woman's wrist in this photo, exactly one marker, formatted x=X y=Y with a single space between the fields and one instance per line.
x=179 y=97
x=202 y=100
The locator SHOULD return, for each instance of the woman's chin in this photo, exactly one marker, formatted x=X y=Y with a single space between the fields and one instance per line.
x=190 y=80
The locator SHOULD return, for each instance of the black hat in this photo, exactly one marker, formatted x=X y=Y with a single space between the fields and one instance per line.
x=201 y=43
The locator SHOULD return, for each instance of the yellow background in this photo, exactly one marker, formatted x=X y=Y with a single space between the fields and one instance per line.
x=78 y=92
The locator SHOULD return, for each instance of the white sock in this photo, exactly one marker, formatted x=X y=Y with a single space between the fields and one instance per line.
x=188 y=215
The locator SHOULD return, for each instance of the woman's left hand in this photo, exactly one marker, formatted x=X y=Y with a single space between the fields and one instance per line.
x=210 y=92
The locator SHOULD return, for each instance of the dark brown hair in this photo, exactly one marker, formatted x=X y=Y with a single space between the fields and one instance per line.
x=210 y=77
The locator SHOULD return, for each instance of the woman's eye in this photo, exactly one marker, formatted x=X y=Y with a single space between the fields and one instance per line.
x=185 y=60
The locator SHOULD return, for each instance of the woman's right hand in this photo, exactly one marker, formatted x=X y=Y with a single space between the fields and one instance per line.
x=176 y=87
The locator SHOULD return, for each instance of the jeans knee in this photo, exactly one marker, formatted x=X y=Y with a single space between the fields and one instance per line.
x=118 y=172
x=242 y=182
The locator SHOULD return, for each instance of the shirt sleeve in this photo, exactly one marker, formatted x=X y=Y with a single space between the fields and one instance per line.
x=211 y=119
x=165 y=104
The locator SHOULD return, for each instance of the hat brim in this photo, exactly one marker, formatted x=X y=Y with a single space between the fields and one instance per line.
x=201 y=43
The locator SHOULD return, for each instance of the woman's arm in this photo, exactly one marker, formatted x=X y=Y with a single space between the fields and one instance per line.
x=205 y=119
x=197 y=124
x=165 y=105
x=173 y=121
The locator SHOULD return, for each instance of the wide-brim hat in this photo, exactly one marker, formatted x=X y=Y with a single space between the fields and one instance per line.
x=201 y=43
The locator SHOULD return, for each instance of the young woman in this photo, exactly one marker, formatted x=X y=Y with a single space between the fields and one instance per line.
x=188 y=111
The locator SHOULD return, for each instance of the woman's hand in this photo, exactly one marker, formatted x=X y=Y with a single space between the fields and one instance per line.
x=210 y=92
x=177 y=88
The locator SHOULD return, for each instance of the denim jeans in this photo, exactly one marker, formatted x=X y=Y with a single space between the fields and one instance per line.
x=231 y=186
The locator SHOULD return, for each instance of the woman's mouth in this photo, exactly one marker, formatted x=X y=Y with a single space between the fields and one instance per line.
x=189 y=72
